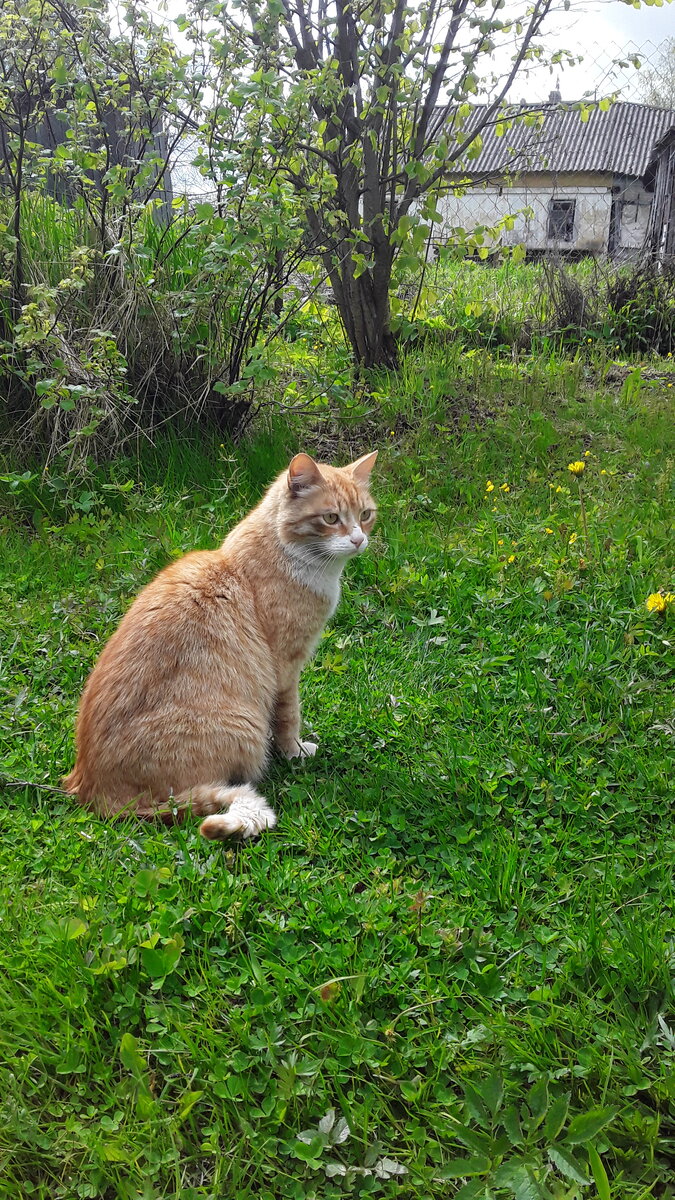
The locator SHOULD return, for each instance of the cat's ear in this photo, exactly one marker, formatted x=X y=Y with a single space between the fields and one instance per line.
x=361 y=469
x=303 y=474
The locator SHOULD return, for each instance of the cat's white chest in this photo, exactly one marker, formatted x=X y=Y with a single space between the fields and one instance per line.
x=320 y=577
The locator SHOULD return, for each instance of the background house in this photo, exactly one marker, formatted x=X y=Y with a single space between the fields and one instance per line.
x=661 y=176
x=572 y=185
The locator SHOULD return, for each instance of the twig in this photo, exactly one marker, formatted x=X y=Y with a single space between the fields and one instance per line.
x=42 y=787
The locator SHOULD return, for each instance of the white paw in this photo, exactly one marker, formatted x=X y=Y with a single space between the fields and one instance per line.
x=246 y=817
x=304 y=750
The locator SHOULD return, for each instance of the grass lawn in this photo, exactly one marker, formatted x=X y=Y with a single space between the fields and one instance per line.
x=449 y=969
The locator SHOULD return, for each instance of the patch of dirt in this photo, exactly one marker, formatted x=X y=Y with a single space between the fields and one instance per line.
x=467 y=412
x=337 y=439
x=619 y=374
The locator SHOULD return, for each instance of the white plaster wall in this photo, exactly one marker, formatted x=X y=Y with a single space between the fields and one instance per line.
x=485 y=205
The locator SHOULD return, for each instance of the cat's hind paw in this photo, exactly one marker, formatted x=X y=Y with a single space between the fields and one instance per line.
x=303 y=750
x=246 y=817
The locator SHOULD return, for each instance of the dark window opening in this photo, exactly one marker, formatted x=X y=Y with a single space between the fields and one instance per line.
x=561 y=220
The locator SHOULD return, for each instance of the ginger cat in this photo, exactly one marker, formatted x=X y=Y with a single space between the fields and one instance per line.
x=178 y=711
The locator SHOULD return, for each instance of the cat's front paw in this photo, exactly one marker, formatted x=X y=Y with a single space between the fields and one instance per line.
x=303 y=750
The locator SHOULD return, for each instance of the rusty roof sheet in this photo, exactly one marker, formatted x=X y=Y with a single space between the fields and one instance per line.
x=620 y=140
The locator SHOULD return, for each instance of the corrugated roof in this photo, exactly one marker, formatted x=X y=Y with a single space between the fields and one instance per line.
x=620 y=140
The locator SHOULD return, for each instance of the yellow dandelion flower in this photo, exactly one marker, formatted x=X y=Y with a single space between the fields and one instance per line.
x=489 y=486
x=391 y=433
x=577 y=468
x=573 y=538
x=587 y=453
x=558 y=489
x=547 y=530
x=504 y=487
x=500 y=541
x=494 y=507
x=656 y=602
x=603 y=471
x=512 y=558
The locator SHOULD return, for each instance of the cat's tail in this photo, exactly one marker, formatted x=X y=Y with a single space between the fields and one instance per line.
x=230 y=810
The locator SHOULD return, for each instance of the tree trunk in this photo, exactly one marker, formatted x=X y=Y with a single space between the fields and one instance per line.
x=362 y=301
x=363 y=304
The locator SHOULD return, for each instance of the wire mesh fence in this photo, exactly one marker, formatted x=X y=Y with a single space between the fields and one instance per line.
x=572 y=172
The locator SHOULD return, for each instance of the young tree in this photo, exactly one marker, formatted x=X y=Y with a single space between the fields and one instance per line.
x=32 y=42
x=656 y=81
x=371 y=104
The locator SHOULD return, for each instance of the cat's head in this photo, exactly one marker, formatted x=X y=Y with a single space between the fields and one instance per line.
x=329 y=509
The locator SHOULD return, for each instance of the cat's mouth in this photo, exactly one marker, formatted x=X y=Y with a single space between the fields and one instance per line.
x=350 y=551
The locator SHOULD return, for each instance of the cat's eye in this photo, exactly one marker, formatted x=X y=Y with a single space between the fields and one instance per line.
x=331 y=518
x=366 y=514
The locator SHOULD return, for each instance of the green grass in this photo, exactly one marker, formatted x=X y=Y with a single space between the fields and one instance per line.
x=459 y=939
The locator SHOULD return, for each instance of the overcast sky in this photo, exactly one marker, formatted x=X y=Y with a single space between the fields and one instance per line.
x=601 y=32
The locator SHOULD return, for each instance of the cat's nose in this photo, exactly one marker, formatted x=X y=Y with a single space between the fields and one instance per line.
x=357 y=538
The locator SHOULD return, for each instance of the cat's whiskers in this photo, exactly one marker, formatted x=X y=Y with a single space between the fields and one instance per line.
x=326 y=560
x=316 y=564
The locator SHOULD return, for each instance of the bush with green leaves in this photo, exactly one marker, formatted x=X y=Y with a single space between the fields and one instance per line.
x=120 y=310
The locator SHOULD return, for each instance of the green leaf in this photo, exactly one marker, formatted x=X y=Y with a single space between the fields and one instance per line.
x=464 y=1168
x=567 y=1164
x=60 y=71
x=204 y=211
x=187 y=1103
x=587 y=1125
x=129 y=1055
x=410 y=1091
x=308 y=1151
x=74 y=927
x=511 y=1123
x=599 y=1173
x=518 y=1178
x=470 y=1138
x=473 y=1190
x=556 y=1116
x=537 y=1101
x=106 y=968
x=474 y=1104
x=114 y=1152
x=492 y=1091
x=145 y=883
x=161 y=960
